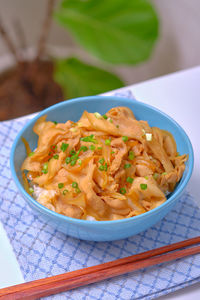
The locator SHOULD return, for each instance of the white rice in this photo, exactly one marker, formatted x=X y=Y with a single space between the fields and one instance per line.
x=40 y=193
x=90 y=218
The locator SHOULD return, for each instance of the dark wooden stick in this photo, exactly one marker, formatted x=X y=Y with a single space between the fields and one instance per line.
x=8 y=41
x=20 y=37
x=45 y=29
x=71 y=280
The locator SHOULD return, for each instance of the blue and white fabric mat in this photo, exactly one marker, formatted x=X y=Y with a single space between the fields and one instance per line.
x=42 y=251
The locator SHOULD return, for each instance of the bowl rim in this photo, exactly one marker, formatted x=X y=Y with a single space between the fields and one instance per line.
x=56 y=215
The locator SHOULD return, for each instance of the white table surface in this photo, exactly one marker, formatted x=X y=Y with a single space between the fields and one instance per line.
x=178 y=95
x=10 y=273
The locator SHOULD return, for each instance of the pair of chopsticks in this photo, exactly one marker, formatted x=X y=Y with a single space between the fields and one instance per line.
x=71 y=280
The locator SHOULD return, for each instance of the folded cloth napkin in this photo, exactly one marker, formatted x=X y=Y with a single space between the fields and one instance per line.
x=42 y=251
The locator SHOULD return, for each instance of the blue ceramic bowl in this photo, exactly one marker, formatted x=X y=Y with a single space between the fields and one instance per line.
x=101 y=230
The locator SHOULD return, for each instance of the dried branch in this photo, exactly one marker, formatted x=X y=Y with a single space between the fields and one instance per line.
x=45 y=29
x=8 y=41
x=20 y=34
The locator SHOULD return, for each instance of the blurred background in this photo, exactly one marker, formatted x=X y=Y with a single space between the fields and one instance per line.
x=177 y=47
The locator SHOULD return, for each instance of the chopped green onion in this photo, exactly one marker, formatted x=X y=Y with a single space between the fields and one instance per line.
x=55 y=122
x=101 y=161
x=74 y=184
x=143 y=131
x=31 y=190
x=155 y=176
x=77 y=190
x=67 y=160
x=126 y=166
x=107 y=142
x=89 y=139
x=44 y=171
x=65 y=192
x=92 y=147
x=143 y=186
x=117 y=126
x=99 y=148
x=101 y=168
x=73 y=162
x=131 y=155
x=31 y=153
x=79 y=124
x=56 y=156
x=148 y=137
x=97 y=115
x=73 y=129
x=64 y=147
x=164 y=173
x=84 y=148
x=53 y=147
x=60 y=185
x=122 y=191
x=129 y=179
x=45 y=168
x=110 y=120
x=106 y=167
x=125 y=138
x=146 y=177
x=74 y=157
x=105 y=117
x=112 y=152
x=80 y=162
x=72 y=152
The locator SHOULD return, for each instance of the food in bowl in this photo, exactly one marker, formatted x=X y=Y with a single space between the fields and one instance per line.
x=103 y=167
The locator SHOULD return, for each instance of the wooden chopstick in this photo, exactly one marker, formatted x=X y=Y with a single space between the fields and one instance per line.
x=67 y=281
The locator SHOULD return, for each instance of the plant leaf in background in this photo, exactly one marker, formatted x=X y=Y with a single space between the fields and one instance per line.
x=116 y=31
x=80 y=79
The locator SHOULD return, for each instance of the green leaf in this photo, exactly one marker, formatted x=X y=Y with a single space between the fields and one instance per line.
x=116 y=31
x=79 y=79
